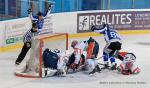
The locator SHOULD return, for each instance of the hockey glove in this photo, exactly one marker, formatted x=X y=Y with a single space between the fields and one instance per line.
x=29 y=11
x=50 y=6
x=93 y=28
x=28 y=44
x=74 y=66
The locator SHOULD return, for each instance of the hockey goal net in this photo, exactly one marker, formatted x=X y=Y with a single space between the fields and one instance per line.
x=33 y=67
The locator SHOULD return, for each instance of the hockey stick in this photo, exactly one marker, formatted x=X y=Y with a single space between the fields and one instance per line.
x=99 y=57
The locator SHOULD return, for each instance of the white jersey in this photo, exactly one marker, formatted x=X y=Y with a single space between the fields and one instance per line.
x=79 y=49
x=82 y=45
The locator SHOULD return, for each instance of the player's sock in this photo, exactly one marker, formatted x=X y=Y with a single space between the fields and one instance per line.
x=105 y=58
x=106 y=65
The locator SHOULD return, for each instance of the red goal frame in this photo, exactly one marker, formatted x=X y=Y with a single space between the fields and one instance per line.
x=40 y=53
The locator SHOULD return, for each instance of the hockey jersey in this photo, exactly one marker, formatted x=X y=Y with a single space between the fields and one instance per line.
x=110 y=34
x=40 y=23
x=78 y=50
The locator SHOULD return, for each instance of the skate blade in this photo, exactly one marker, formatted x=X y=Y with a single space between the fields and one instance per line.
x=93 y=75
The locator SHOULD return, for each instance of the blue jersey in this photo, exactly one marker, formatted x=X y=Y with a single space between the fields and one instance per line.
x=40 y=23
x=111 y=35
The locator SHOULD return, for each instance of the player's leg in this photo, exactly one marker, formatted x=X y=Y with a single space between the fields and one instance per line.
x=98 y=69
x=71 y=59
x=91 y=66
x=70 y=62
x=114 y=46
x=113 y=63
x=121 y=68
x=95 y=52
x=60 y=67
x=106 y=56
x=135 y=69
x=23 y=53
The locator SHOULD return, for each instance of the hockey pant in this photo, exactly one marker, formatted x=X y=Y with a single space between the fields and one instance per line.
x=109 y=50
x=24 y=51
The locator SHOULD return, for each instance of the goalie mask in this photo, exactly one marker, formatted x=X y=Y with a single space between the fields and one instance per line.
x=130 y=57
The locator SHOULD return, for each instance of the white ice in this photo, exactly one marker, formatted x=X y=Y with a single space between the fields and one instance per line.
x=138 y=44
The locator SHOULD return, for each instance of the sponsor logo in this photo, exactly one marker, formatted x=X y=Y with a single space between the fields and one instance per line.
x=118 y=20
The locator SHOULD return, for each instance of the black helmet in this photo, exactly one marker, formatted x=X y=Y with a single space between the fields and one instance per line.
x=39 y=14
x=34 y=25
x=105 y=25
x=90 y=40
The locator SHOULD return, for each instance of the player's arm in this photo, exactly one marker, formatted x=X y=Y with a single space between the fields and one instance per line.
x=90 y=50
x=48 y=11
x=98 y=30
x=77 y=54
x=30 y=14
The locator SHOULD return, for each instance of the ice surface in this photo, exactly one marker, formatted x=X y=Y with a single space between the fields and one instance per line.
x=138 y=44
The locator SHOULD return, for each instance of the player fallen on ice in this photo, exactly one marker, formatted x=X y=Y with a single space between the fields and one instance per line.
x=39 y=19
x=54 y=60
x=92 y=52
x=77 y=58
x=127 y=66
x=113 y=43
x=27 y=43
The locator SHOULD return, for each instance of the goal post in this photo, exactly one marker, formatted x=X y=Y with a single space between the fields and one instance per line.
x=34 y=65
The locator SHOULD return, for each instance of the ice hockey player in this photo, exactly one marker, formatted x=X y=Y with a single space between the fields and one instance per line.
x=27 y=43
x=54 y=60
x=39 y=19
x=92 y=52
x=127 y=65
x=113 y=43
x=77 y=58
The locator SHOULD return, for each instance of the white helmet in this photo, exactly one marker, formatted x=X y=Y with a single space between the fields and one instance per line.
x=130 y=57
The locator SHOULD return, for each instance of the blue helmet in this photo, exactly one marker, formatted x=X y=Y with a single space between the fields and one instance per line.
x=39 y=14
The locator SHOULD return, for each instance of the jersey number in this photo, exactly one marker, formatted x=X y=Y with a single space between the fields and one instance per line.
x=114 y=35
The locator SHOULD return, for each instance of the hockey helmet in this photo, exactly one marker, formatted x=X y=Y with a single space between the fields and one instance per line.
x=130 y=57
x=90 y=40
x=56 y=51
x=39 y=14
x=105 y=26
x=74 y=43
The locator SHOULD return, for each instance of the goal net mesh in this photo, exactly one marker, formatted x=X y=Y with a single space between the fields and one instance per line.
x=34 y=65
